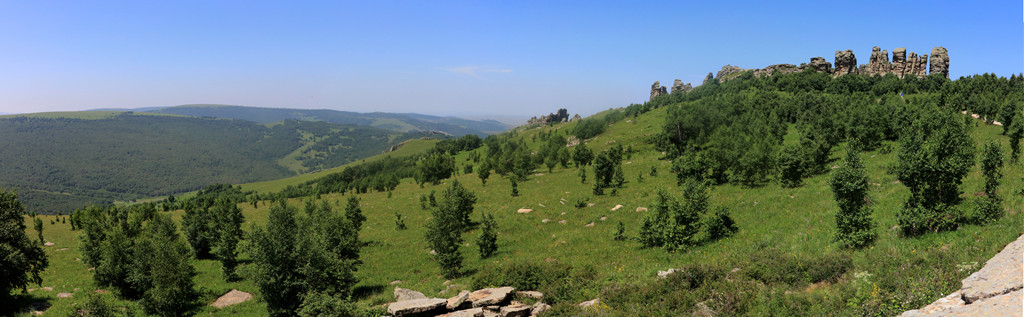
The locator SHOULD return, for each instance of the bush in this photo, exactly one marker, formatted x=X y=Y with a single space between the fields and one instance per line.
x=719 y=224
x=774 y=267
x=986 y=209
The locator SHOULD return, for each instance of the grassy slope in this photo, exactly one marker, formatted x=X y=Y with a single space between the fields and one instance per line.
x=796 y=220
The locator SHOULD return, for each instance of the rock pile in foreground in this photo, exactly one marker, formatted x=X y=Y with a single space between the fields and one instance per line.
x=995 y=290
x=480 y=303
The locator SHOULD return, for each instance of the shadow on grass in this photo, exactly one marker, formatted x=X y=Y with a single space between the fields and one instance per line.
x=365 y=291
x=25 y=303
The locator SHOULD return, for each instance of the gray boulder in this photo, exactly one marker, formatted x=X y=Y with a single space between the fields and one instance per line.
x=416 y=306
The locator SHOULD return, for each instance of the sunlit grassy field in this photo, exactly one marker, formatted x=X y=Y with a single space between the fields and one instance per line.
x=798 y=221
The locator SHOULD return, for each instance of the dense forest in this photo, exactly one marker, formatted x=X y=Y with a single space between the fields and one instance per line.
x=59 y=164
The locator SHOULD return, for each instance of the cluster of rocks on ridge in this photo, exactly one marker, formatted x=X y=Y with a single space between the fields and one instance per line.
x=485 y=302
x=562 y=115
x=845 y=62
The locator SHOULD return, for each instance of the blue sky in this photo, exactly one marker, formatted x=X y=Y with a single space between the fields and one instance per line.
x=469 y=58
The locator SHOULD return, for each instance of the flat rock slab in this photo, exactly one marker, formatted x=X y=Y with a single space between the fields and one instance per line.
x=490 y=296
x=415 y=306
x=455 y=302
x=515 y=311
x=524 y=210
x=617 y=207
x=234 y=297
x=472 y=312
x=1002 y=274
x=404 y=294
x=65 y=295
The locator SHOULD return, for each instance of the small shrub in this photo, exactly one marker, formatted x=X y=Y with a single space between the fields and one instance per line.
x=620 y=232
x=399 y=222
x=719 y=224
x=581 y=203
x=986 y=209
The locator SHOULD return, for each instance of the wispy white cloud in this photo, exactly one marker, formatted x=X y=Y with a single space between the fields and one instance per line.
x=476 y=71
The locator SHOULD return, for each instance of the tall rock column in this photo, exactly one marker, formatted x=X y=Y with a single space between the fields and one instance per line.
x=878 y=64
x=899 y=62
x=846 y=62
x=708 y=79
x=657 y=90
x=940 y=61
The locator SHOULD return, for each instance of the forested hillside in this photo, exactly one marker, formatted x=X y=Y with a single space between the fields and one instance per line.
x=59 y=164
x=404 y=122
x=795 y=195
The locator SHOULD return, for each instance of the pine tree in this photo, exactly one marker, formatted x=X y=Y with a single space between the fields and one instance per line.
x=849 y=186
x=488 y=240
x=444 y=230
x=229 y=225
x=39 y=228
x=354 y=213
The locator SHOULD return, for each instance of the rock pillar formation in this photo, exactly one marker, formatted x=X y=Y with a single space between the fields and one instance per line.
x=940 y=61
x=679 y=87
x=657 y=90
x=845 y=63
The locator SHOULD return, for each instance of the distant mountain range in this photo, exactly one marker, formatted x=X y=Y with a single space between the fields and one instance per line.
x=401 y=122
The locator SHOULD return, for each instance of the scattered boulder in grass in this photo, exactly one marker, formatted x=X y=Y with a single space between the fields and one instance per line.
x=65 y=295
x=603 y=218
x=591 y=205
x=545 y=220
x=48 y=243
x=404 y=294
x=639 y=209
x=591 y=224
x=61 y=249
x=524 y=210
x=396 y=282
x=416 y=306
x=233 y=297
x=664 y=274
x=48 y=289
x=590 y=303
x=617 y=207
x=562 y=222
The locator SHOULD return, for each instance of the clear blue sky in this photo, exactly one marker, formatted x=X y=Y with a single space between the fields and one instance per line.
x=465 y=58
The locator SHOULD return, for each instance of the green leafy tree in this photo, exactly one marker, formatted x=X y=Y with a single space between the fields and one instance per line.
x=38 y=225
x=991 y=167
x=169 y=290
x=435 y=167
x=488 y=240
x=791 y=166
x=720 y=224
x=849 y=183
x=295 y=259
x=582 y=173
x=935 y=154
x=990 y=207
x=674 y=224
x=354 y=213
x=484 y=172
x=444 y=230
x=199 y=227
x=276 y=270
x=619 y=178
x=581 y=155
x=22 y=260
x=229 y=226
x=550 y=161
x=1016 y=132
x=604 y=169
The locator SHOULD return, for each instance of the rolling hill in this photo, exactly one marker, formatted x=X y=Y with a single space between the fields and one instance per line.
x=62 y=161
